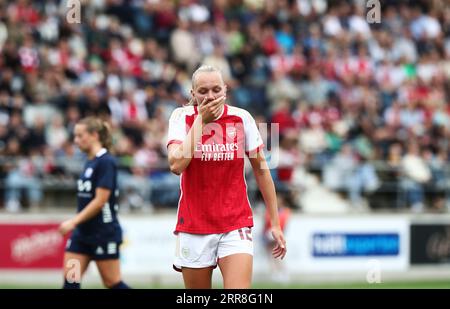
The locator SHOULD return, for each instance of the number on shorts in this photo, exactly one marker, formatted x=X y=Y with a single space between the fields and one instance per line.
x=248 y=234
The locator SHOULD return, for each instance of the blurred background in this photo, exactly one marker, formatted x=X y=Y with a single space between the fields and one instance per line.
x=363 y=111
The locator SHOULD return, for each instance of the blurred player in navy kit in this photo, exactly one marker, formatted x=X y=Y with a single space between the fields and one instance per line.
x=97 y=234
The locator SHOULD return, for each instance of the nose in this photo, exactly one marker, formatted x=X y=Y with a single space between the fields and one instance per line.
x=210 y=95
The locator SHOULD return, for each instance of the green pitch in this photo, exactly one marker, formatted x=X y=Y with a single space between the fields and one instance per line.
x=435 y=284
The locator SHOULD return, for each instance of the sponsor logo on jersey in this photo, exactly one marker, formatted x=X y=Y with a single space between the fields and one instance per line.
x=88 y=172
x=217 y=152
x=213 y=147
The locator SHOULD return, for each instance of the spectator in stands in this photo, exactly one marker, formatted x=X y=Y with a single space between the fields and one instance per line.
x=22 y=176
x=416 y=174
x=126 y=60
x=439 y=182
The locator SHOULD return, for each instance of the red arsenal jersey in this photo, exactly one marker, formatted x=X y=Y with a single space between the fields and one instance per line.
x=213 y=188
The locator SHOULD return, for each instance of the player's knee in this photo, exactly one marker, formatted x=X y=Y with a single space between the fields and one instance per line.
x=237 y=282
x=110 y=282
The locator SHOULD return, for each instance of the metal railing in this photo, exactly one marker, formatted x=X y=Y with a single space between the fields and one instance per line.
x=64 y=179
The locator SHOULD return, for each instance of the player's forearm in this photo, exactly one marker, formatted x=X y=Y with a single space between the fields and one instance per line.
x=267 y=188
x=90 y=211
x=182 y=155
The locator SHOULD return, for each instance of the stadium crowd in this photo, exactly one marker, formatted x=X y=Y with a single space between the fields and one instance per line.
x=354 y=100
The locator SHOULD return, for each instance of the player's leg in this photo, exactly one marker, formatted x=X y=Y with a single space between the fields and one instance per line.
x=110 y=272
x=197 y=278
x=237 y=271
x=236 y=259
x=75 y=264
x=107 y=260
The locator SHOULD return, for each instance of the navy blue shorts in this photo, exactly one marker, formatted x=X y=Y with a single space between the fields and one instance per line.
x=97 y=251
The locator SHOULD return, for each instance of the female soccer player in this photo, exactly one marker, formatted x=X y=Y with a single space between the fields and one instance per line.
x=97 y=234
x=207 y=143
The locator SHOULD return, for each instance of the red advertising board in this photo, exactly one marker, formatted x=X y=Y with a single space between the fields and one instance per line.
x=31 y=246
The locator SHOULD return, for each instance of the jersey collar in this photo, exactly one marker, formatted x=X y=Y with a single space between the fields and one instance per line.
x=101 y=152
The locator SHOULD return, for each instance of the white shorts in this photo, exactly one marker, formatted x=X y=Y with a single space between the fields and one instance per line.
x=200 y=251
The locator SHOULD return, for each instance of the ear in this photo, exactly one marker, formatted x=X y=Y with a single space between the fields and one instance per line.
x=192 y=98
x=96 y=134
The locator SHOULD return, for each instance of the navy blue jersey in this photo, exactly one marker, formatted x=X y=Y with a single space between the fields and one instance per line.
x=100 y=172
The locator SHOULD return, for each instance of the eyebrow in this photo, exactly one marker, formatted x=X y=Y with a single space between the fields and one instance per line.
x=204 y=87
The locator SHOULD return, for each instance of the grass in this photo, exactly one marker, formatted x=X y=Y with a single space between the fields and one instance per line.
x=432 y=284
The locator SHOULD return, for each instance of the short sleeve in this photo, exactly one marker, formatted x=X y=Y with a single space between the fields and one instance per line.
x=253 y=140
x=177 y=127
x=105 y=173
